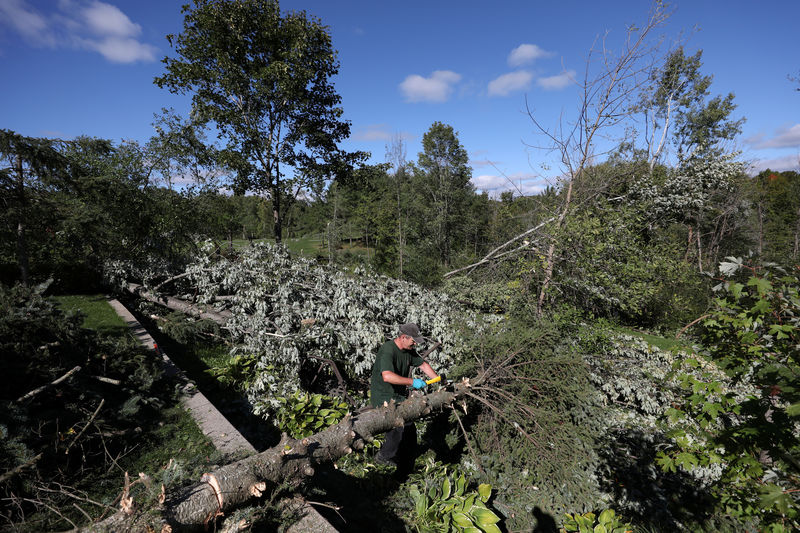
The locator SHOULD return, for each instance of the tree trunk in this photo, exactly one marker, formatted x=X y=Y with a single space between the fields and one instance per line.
x=276 y=213
x=699 y=250
x=289 y=463
x=22 y=244
x=550 y=259
x=177 y=304
x=760 y=230
x=796 y=249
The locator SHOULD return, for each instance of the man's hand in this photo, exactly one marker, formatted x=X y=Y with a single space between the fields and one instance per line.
x=418 y=384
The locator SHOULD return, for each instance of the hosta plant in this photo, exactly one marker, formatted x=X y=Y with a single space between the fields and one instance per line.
x=606 y=522
x=303 y=414
x=443 y=502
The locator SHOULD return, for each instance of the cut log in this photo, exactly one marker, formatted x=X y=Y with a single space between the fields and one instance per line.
x=290 y=462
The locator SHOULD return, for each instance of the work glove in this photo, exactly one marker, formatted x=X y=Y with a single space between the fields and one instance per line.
x=419 y=384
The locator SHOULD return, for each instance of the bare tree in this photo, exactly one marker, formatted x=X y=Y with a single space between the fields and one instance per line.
x=396 y=156
x=606 y=103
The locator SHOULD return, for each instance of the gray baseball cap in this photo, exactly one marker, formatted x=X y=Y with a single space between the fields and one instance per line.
x=412 y=330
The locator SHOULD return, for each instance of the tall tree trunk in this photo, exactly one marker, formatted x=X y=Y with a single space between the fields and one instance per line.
x=796 y=249
x=699 y=251
x=22 y=244
x=760 y=229
x=550 y=257
x=276 y=212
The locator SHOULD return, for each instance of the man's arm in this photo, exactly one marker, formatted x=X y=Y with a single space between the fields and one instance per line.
x=396 y=379
x=428 y=370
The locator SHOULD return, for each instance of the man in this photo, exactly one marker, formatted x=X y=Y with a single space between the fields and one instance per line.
x=389 y=382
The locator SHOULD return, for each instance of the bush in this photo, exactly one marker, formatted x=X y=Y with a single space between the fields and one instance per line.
x=66 y=443
x=533 y=431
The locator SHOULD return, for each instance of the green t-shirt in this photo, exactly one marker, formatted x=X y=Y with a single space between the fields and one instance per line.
x=392 y=358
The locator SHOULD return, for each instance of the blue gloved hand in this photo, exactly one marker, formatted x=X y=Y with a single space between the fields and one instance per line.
x=419 y=384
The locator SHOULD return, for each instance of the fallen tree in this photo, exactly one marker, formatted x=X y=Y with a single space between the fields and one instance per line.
x=177 y=304
x=290 y=462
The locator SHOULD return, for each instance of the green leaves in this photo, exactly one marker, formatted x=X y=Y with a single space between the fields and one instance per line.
x=304 y=414
x=606 y=522
x=287 y=309
x=774 y=496
x=733 y=422
x=264 y=79
x=448 y=505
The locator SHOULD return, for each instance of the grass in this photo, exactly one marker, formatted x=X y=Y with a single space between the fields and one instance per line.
x=99 y=315
x=197 y=359
x=662 y=343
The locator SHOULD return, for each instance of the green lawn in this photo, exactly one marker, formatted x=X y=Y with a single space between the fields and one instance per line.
x=663 y=343
x=99 y=315
x=312 y=246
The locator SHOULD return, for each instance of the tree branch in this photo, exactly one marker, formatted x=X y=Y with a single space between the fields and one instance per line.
x=34 y=392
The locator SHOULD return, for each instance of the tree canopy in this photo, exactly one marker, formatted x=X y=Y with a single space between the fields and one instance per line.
x=263 y=79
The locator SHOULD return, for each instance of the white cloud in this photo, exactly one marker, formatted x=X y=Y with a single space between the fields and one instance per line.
x=105 y=19
x=437 y=88
x=511 y=82
x=784 y=138
x=554 y=83
x=526 y=184
x=379 y=132
x=373 y=132
x=91 y=25
x=122 y=50
x=31 y=25
x=778 y=164
x=525 y=54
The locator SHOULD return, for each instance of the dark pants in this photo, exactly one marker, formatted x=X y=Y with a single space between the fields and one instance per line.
x=400 y=446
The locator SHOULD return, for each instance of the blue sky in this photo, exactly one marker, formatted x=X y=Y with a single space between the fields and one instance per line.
x=86 y=67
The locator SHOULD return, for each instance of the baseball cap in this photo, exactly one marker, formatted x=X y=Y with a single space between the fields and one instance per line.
x=412 y=330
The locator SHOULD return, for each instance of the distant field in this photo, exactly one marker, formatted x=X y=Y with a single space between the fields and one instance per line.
x=663 y=343
x=312 y=246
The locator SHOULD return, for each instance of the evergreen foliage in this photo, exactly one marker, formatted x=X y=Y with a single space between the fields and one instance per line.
x=66 y=444
x=533 y=425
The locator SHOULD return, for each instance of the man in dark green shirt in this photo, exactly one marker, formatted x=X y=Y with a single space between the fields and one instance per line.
x=390 y=382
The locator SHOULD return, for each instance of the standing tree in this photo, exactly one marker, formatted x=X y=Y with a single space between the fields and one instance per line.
x=606 y=103
x=700 y=191
x=445 y=189
x=396 y=156
x=263 y=80
x=26 y=166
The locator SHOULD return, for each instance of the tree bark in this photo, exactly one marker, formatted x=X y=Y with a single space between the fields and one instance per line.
x=177 y=304
x=796 y=248
x=290 y=462
x=22 y=245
